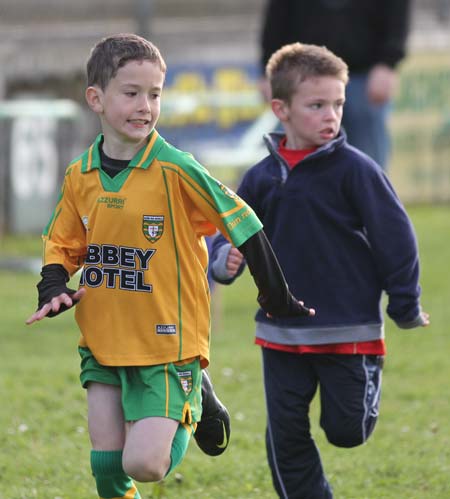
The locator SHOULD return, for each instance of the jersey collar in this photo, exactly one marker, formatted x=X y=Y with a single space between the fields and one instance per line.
x=142 y=159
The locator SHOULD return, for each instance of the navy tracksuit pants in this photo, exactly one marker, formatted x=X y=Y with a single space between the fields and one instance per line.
x=350 y=388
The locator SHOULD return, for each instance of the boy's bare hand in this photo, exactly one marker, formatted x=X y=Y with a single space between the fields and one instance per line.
x=311 y=311
x=304 y=310
x=55 y=304
x=234 y=261
x=425 y=318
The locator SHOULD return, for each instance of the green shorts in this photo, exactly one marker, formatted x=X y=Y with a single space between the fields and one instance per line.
x=166 y=390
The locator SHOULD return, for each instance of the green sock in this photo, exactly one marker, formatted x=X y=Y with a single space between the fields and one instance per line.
x=179 y=445
x=112 y=481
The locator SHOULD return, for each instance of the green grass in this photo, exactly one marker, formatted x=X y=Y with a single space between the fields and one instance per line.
x=26 y=246
x=43 y=437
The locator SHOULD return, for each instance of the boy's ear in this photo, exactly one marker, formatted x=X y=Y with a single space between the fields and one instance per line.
x=280 y=109
x=94 y=99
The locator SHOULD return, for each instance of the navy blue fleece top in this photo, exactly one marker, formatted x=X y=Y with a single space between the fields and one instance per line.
x=341 y=236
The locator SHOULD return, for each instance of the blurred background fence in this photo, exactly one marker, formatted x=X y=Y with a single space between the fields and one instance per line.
x=211 y=105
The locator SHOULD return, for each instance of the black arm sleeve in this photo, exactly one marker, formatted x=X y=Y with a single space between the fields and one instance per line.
x=53 y=283
x=274 y=296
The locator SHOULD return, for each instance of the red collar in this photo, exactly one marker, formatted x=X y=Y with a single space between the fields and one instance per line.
x=293 y=156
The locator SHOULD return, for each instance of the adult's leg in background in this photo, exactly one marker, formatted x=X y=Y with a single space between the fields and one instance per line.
x=365 y=123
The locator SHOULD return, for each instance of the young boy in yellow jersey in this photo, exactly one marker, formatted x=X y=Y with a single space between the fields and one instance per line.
x=132 y=215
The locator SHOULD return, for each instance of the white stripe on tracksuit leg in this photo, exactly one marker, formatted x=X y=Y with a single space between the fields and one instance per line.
x=374 y=399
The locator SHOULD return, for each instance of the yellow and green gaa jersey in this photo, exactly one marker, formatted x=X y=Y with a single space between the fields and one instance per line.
x=138 y=238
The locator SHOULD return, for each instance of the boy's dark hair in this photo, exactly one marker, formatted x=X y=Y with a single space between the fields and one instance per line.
x=113 y=52
x=293 y=63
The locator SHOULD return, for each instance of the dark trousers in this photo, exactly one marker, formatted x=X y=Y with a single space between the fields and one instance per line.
x=350 y=388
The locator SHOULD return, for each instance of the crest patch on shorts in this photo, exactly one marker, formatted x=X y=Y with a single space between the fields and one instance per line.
x=153 y=227
x=186 y=381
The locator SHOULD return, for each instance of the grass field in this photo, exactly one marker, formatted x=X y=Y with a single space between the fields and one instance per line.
x=44 y=442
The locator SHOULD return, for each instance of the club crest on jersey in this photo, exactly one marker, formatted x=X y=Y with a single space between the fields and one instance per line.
x=153 y=227
x=186 y=381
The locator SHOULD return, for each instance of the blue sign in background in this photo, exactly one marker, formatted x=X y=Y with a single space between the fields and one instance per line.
x=207 y=104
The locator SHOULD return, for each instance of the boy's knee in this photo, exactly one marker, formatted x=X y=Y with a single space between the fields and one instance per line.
x=344 y=439
x=146 y=471
x=345 y=436
x=349 y=435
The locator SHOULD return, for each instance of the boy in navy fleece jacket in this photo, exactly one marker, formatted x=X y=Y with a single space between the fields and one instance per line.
x=342 y=237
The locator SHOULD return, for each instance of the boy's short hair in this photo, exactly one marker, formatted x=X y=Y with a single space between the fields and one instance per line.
x=113 y=52
x=293 y=63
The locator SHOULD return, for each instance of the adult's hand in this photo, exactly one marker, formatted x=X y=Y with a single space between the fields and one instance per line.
x=381 y=84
